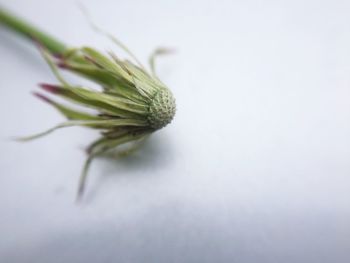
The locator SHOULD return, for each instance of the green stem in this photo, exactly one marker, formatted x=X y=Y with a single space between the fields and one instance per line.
x=25 y=29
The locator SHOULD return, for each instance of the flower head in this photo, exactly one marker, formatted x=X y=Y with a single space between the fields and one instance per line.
x=131 y=104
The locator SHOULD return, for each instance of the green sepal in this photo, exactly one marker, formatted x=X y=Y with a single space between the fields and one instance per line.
x=98 y=101
x=106 y=63
x=97 y=124
x=69 y=113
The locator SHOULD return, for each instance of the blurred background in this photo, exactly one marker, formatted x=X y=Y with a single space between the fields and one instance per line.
x=254 y=168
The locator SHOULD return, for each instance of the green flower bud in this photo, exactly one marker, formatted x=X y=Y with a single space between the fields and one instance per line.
x=131 y=104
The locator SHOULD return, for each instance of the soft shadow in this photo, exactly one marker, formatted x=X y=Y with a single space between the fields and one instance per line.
x=166 y=231
x=155 y=153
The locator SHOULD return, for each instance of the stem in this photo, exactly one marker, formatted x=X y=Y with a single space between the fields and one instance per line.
x=25 y=29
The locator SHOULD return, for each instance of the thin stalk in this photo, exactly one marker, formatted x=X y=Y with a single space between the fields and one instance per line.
x=31 y=32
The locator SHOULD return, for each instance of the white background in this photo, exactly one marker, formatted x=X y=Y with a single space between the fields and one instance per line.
x=254 y=168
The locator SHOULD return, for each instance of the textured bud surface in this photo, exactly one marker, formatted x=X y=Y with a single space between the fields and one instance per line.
x=162 y=109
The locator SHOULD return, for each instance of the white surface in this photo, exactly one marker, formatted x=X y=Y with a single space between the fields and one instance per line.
x=255 y=167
